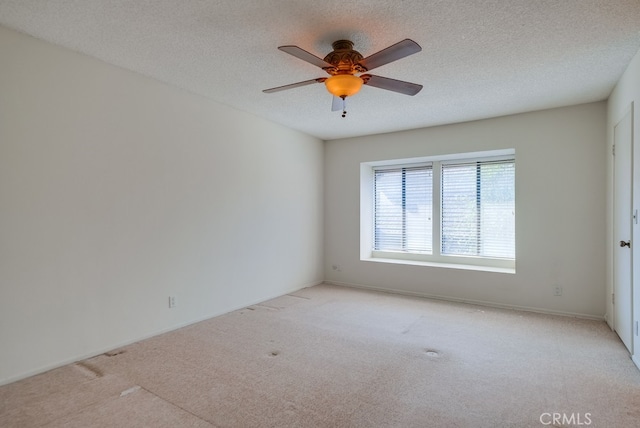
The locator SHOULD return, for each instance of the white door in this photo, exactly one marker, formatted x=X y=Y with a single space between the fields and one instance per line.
x=635 y=277
x=622 y=266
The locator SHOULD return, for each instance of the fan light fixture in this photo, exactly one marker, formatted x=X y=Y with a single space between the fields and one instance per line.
x=343 y=85
x=343 y=63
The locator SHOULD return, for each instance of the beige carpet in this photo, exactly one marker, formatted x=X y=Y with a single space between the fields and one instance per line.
x=331 y=356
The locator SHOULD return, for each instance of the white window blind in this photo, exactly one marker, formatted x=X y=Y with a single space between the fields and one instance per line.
x=403 y=209
x=478 y=209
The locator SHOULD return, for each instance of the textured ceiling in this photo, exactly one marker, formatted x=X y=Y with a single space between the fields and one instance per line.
x=480 y=58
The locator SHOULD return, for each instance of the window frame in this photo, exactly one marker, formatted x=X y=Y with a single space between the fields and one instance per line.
x=367 y=214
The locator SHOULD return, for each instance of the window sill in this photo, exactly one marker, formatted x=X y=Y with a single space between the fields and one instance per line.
x=441 y=265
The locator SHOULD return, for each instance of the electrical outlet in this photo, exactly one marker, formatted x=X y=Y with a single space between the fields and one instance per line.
x=557 y=290
x=172 y=301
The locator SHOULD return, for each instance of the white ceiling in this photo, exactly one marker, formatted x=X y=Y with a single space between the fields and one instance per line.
x=480 y=58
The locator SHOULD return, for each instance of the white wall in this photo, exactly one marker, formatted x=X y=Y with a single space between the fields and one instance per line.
x=117 y=191
x=627 y=91
x=560 y=210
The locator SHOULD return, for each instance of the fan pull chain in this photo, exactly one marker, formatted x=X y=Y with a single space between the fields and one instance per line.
x=344 y=106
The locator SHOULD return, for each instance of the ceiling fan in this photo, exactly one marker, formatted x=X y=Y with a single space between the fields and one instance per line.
x=346 y=67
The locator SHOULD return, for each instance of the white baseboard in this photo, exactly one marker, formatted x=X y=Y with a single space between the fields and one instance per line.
x=469 y=301
x=108 y=348
x=636 y=361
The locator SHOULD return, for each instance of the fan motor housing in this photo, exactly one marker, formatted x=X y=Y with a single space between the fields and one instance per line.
x=344 y=59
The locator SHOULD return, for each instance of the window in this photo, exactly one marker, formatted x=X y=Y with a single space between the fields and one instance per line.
x=453 y=210
x=478 y=209
x=403 y=209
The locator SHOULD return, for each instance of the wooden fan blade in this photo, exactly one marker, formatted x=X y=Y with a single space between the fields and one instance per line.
x=392 y=53
x=394 y=85
x=305 y=56
x=294 y=85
